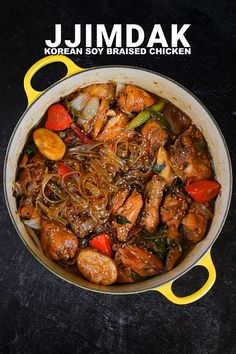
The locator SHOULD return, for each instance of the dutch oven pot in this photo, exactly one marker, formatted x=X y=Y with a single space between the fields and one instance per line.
x=38 y=102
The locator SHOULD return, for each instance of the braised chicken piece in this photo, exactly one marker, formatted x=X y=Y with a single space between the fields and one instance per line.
x=124 y=275
x=100 y=118
x=24 y=160
x=174 y=233
x=118 y=200
x=81 y=223
x=134 y=99
x=57 y=241
x=31 y=175
x=173 y=256
x=27 y=209
x=130 y=211
x=154 y=193
x=178 y=120
x=23 y=181
x=139 y=260
x=37 y=170
x=173 y=210
x=115 y=128
x=189 y=155
x=38 y=159
x=30 y=178
x=154 y=136
x=102 y=91
x=195 y=224
x=88 y=224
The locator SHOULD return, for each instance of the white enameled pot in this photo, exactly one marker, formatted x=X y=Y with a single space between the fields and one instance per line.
x=76 y=77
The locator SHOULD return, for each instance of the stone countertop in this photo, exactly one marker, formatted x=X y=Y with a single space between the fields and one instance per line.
x=41 y=313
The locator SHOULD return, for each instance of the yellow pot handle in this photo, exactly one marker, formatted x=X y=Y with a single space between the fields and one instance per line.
x=32 y=94
x=206 y=262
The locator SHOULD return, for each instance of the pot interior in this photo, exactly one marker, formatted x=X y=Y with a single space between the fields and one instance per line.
x=161 y=86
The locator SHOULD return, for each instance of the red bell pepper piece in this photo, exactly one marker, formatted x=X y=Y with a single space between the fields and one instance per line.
x=80 y=134
x=58 y=118
x=102 y=243
x=202 y=191
x=63 y=169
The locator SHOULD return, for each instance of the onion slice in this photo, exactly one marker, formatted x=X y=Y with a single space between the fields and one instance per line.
x=204 y=210
x=119 y=87
x=80 y=101
x=34 y=237
x=33 y=223
x=90 y=109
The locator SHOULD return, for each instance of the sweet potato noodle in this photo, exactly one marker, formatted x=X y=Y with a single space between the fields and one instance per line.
x=116 y=184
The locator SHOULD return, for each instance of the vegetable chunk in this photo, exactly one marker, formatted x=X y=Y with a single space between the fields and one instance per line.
x=58 y=118
x=96 y=267
x=203 y=191
x=49 y=144
x=102 y=243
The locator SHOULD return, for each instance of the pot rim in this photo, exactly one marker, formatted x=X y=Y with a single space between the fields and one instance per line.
x=209 y=245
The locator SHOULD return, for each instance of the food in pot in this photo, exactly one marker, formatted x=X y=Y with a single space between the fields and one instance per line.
x=116 y=183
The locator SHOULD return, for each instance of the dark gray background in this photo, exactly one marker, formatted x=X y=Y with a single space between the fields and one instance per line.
x=40 y=313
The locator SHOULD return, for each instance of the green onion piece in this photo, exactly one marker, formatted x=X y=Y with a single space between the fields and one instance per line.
x=159 y=106
x=141 y=118
x=158 y=168
x=153 y=111
x=121 y=219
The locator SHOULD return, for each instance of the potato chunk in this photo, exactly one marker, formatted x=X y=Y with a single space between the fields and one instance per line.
x=49 y=144
x=96 y=267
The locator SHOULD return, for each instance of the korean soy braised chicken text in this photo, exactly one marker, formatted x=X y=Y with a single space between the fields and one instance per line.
x=116 y=184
